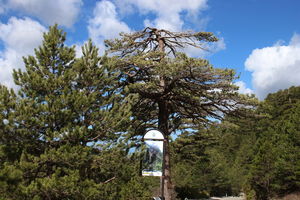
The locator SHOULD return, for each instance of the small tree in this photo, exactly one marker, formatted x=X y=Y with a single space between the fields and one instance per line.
x=173 y=91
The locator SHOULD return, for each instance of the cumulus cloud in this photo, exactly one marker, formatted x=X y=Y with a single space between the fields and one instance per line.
x=276 y=67
x=19 y=37
x=243 y=89
x=63 y=12
x=105 y=23
x=168 y=14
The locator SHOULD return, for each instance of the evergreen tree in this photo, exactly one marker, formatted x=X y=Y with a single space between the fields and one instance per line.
x=171 y=88
x=60 y=138
x=236 y=137
x=214 y=161
x=192 y=172
x=275 y=169
x=262 y=152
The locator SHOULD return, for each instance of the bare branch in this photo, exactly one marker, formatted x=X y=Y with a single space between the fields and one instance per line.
x=149 y=40
x=109 y=180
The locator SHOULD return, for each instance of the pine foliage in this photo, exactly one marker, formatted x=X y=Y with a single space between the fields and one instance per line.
x=59 y=136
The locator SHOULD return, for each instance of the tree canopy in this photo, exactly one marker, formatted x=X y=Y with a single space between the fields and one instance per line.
x=68 y=132
x=59 y=135
x=173 y=91
x=258 y=155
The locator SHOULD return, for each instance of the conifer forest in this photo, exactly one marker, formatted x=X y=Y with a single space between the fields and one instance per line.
x=73 y=128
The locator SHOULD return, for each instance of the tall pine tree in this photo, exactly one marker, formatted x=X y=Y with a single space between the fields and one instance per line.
x=65 y=116
x=172 y=90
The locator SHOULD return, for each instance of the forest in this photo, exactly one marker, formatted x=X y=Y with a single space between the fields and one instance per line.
x=74 y=127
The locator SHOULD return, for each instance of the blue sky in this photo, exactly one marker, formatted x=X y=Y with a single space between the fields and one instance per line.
x=260 y=39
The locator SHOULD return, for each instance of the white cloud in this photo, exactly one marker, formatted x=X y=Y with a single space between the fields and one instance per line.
x=217 y=46
x=20 y=37
x=168 y=13
x=105 y=23
x=208 y=49
x=63 y=12
x=276 y=67
x=243 y=89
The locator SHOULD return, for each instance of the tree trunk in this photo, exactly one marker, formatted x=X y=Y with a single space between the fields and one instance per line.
x=168 y=191
x=163 y=119
x=163 y=127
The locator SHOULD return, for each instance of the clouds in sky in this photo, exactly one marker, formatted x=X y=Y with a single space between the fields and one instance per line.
x=63 y=12
x=105 y=23
x=168 y=13
x=276 y=67
x=171 y=16
x=243 y=88
x=20 y=37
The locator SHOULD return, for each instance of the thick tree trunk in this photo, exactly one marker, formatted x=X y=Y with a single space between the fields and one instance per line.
x=163 y=127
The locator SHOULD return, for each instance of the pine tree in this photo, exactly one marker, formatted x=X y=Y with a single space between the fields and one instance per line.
x=192 y=172
x=69 y=95
x=172 y=89
x=68 y=125
x=275 y=168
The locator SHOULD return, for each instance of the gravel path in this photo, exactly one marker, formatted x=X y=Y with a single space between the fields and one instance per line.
x=228 y=198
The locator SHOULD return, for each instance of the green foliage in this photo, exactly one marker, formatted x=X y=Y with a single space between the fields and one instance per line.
x=190 y=87
x=258 y=154
x=9 y=148
x=277 y=149
x=171 y=90
x=262 y=152
x=59 y=139
x=138 y=188
x=198 y=167
x=10 y=177
x=67 y=134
